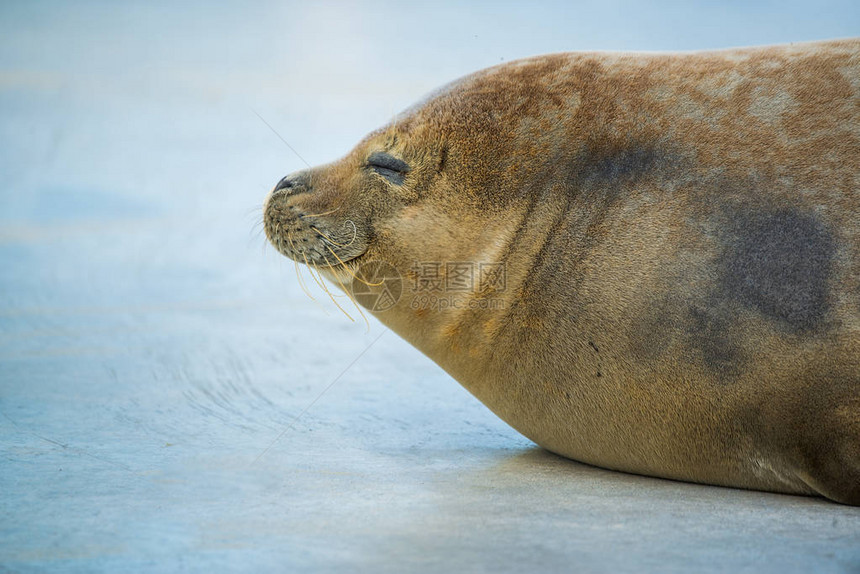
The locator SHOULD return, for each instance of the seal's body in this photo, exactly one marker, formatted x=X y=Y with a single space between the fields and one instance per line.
x=680 y=241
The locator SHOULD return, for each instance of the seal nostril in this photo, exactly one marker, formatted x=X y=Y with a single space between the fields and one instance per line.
x=294 y=182
x=285 y=183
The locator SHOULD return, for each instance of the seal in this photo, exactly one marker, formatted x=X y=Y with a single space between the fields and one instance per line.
x=645 y=262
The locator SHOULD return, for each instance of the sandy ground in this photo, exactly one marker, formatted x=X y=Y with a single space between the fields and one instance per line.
x=154 y=354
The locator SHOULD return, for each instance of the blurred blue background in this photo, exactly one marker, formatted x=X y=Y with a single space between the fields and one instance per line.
x=151 y=348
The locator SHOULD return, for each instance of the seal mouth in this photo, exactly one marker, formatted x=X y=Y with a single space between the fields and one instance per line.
x=318 y=240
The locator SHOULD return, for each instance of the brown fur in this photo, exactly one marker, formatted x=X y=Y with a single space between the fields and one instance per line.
x=681 y=236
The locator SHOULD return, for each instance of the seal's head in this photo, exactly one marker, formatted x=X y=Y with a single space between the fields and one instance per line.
x=440 y=183
x=345 y=212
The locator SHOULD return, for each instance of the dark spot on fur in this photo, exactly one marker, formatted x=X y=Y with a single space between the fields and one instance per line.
x=599 y=363
x=696 y=330
x=443 y=158
x=622 y=164
x=709 y=333
x=652 y=333
x=597 y=182
x=771 y=264
x=779 y=264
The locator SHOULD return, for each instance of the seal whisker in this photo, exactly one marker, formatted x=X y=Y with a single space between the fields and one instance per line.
x=254 y=210
x=304 y=287
x=257 y=232
x=326 y=237
x=311 y=270
x=320 y=214
x=263 y=243
x=332 y=241
x=321 y=283
x=299 y=273
x=348 y=270
x=348 y=293
x=354 y=231
x=301 y=282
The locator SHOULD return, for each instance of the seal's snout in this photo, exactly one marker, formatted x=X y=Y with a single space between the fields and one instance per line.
x=306 y=228
x=292 y=182
x=285 y=183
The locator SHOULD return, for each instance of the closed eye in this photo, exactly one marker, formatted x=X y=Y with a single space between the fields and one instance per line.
x=388 y=166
